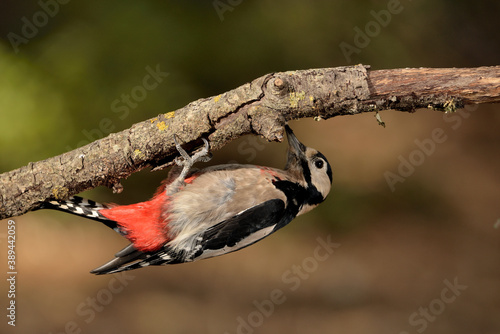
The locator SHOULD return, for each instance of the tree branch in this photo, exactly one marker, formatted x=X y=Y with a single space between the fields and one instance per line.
x=260 y=107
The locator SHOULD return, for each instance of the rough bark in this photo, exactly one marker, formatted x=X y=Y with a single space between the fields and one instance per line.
x=260 y=107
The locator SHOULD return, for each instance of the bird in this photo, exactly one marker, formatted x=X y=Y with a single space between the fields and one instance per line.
x=199 y=214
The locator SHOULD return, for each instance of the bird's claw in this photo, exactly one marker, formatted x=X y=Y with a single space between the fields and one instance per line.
x=203 y=155
x=186 y=162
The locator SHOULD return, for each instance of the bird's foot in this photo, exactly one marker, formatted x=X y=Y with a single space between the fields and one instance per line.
x=187 y=162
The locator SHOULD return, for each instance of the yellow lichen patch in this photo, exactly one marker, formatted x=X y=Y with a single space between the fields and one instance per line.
x=60 y=192
x=450 y=106
x=138 y=154
x=152 y=120
x=161 y=126
x=217 y=98
x=296 y=97
x=170 y=115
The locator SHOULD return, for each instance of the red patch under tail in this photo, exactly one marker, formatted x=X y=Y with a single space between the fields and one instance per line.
x=142 y=222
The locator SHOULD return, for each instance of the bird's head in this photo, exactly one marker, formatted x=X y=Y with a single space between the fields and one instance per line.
x=307 y=165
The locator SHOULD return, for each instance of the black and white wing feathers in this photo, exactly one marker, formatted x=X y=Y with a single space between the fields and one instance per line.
x=242 y=230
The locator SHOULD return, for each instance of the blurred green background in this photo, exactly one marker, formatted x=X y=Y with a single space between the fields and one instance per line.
x=66 y=69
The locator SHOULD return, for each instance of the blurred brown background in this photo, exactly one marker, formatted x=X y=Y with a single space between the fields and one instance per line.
x=420 y=256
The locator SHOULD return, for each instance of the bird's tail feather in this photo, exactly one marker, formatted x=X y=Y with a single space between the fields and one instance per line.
x=124 y=259
x=82 y=207
x=130 y=258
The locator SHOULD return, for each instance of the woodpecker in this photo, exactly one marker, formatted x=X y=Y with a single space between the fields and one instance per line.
x=196 y=215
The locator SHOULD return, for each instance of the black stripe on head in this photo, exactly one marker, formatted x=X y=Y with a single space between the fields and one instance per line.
x=297 y=195
x=328 y=167
x=306 y=171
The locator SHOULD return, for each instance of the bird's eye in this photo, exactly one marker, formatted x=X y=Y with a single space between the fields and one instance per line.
x=319 y=164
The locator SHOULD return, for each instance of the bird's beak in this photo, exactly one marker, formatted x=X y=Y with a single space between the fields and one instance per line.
x=296 y=152
x=295 y=146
